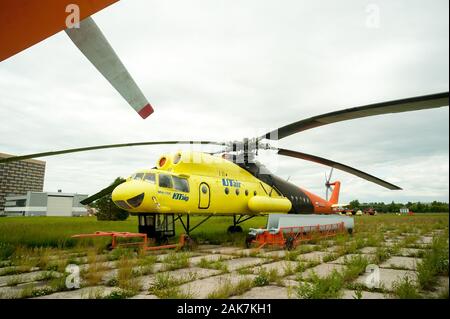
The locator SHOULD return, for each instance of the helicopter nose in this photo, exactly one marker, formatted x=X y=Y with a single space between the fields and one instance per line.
x=129 y=195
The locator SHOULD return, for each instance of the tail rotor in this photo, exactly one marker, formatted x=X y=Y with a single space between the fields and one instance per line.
x=327 y=183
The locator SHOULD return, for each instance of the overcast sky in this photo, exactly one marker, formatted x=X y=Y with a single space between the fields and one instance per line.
x=228 y=69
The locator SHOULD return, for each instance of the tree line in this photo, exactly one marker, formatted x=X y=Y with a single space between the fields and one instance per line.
x=416 y=207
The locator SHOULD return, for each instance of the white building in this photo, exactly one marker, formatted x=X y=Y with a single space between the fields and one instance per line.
x=45 y=204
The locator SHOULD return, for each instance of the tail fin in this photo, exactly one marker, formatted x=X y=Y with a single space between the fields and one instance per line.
x=334 y=199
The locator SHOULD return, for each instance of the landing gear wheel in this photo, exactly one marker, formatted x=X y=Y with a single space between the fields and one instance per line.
x=289 y=245
x=234 y=229
x=248 y=240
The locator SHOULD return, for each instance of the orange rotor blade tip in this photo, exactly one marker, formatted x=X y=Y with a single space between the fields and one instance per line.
x=146 y=111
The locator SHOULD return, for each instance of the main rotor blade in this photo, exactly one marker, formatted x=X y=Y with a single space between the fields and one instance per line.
x=397 y=106
x=103 y=192
x=342 y=167
x=93 y=44
x=91 y=148
x=24 y=23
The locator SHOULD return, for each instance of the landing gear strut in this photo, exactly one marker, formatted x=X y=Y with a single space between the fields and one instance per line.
x=235 y=228
x=188 y=241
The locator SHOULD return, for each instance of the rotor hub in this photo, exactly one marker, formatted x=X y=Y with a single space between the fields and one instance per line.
x=245 y=151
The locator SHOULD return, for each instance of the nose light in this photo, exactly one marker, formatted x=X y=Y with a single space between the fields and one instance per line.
x=136 y=200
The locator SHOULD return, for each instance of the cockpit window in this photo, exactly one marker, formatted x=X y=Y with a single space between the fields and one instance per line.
x=149 y=177
x=181 y=184
x=165 y=181
x=138 y=176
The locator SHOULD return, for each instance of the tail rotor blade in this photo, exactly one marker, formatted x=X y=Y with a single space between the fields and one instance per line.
x=93 y=44
x=331 y=173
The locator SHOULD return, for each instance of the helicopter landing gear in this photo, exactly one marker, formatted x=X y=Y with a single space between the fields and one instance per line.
x=235 y=228
x=186 y=241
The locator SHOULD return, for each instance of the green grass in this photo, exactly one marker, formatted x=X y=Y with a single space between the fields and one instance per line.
x=213 y=264
x=434 y=263
x=117 y=294
x=316 y=287
x=174 y=261
x=265 y=277
x=37 y=241
x=14 y=280
x=405 y=289
x=56 y=232
x=126 y=276
x=354 y=267
x=227 y=289
x=381 y=254
x=165 y=286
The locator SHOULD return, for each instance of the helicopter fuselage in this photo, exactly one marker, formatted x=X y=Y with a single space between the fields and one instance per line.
x=202 y=184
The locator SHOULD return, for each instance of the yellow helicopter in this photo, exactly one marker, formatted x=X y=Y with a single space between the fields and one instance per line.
x=231 y=182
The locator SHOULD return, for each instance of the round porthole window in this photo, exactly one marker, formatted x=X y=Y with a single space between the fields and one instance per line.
x=204 y=189
x=255 y=193
x=246 y=192
x=177 y=158
x=162 y=161
x=227 y=190
x=237 y=191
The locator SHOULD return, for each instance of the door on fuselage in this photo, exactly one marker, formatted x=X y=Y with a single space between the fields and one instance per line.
x=204 y=198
